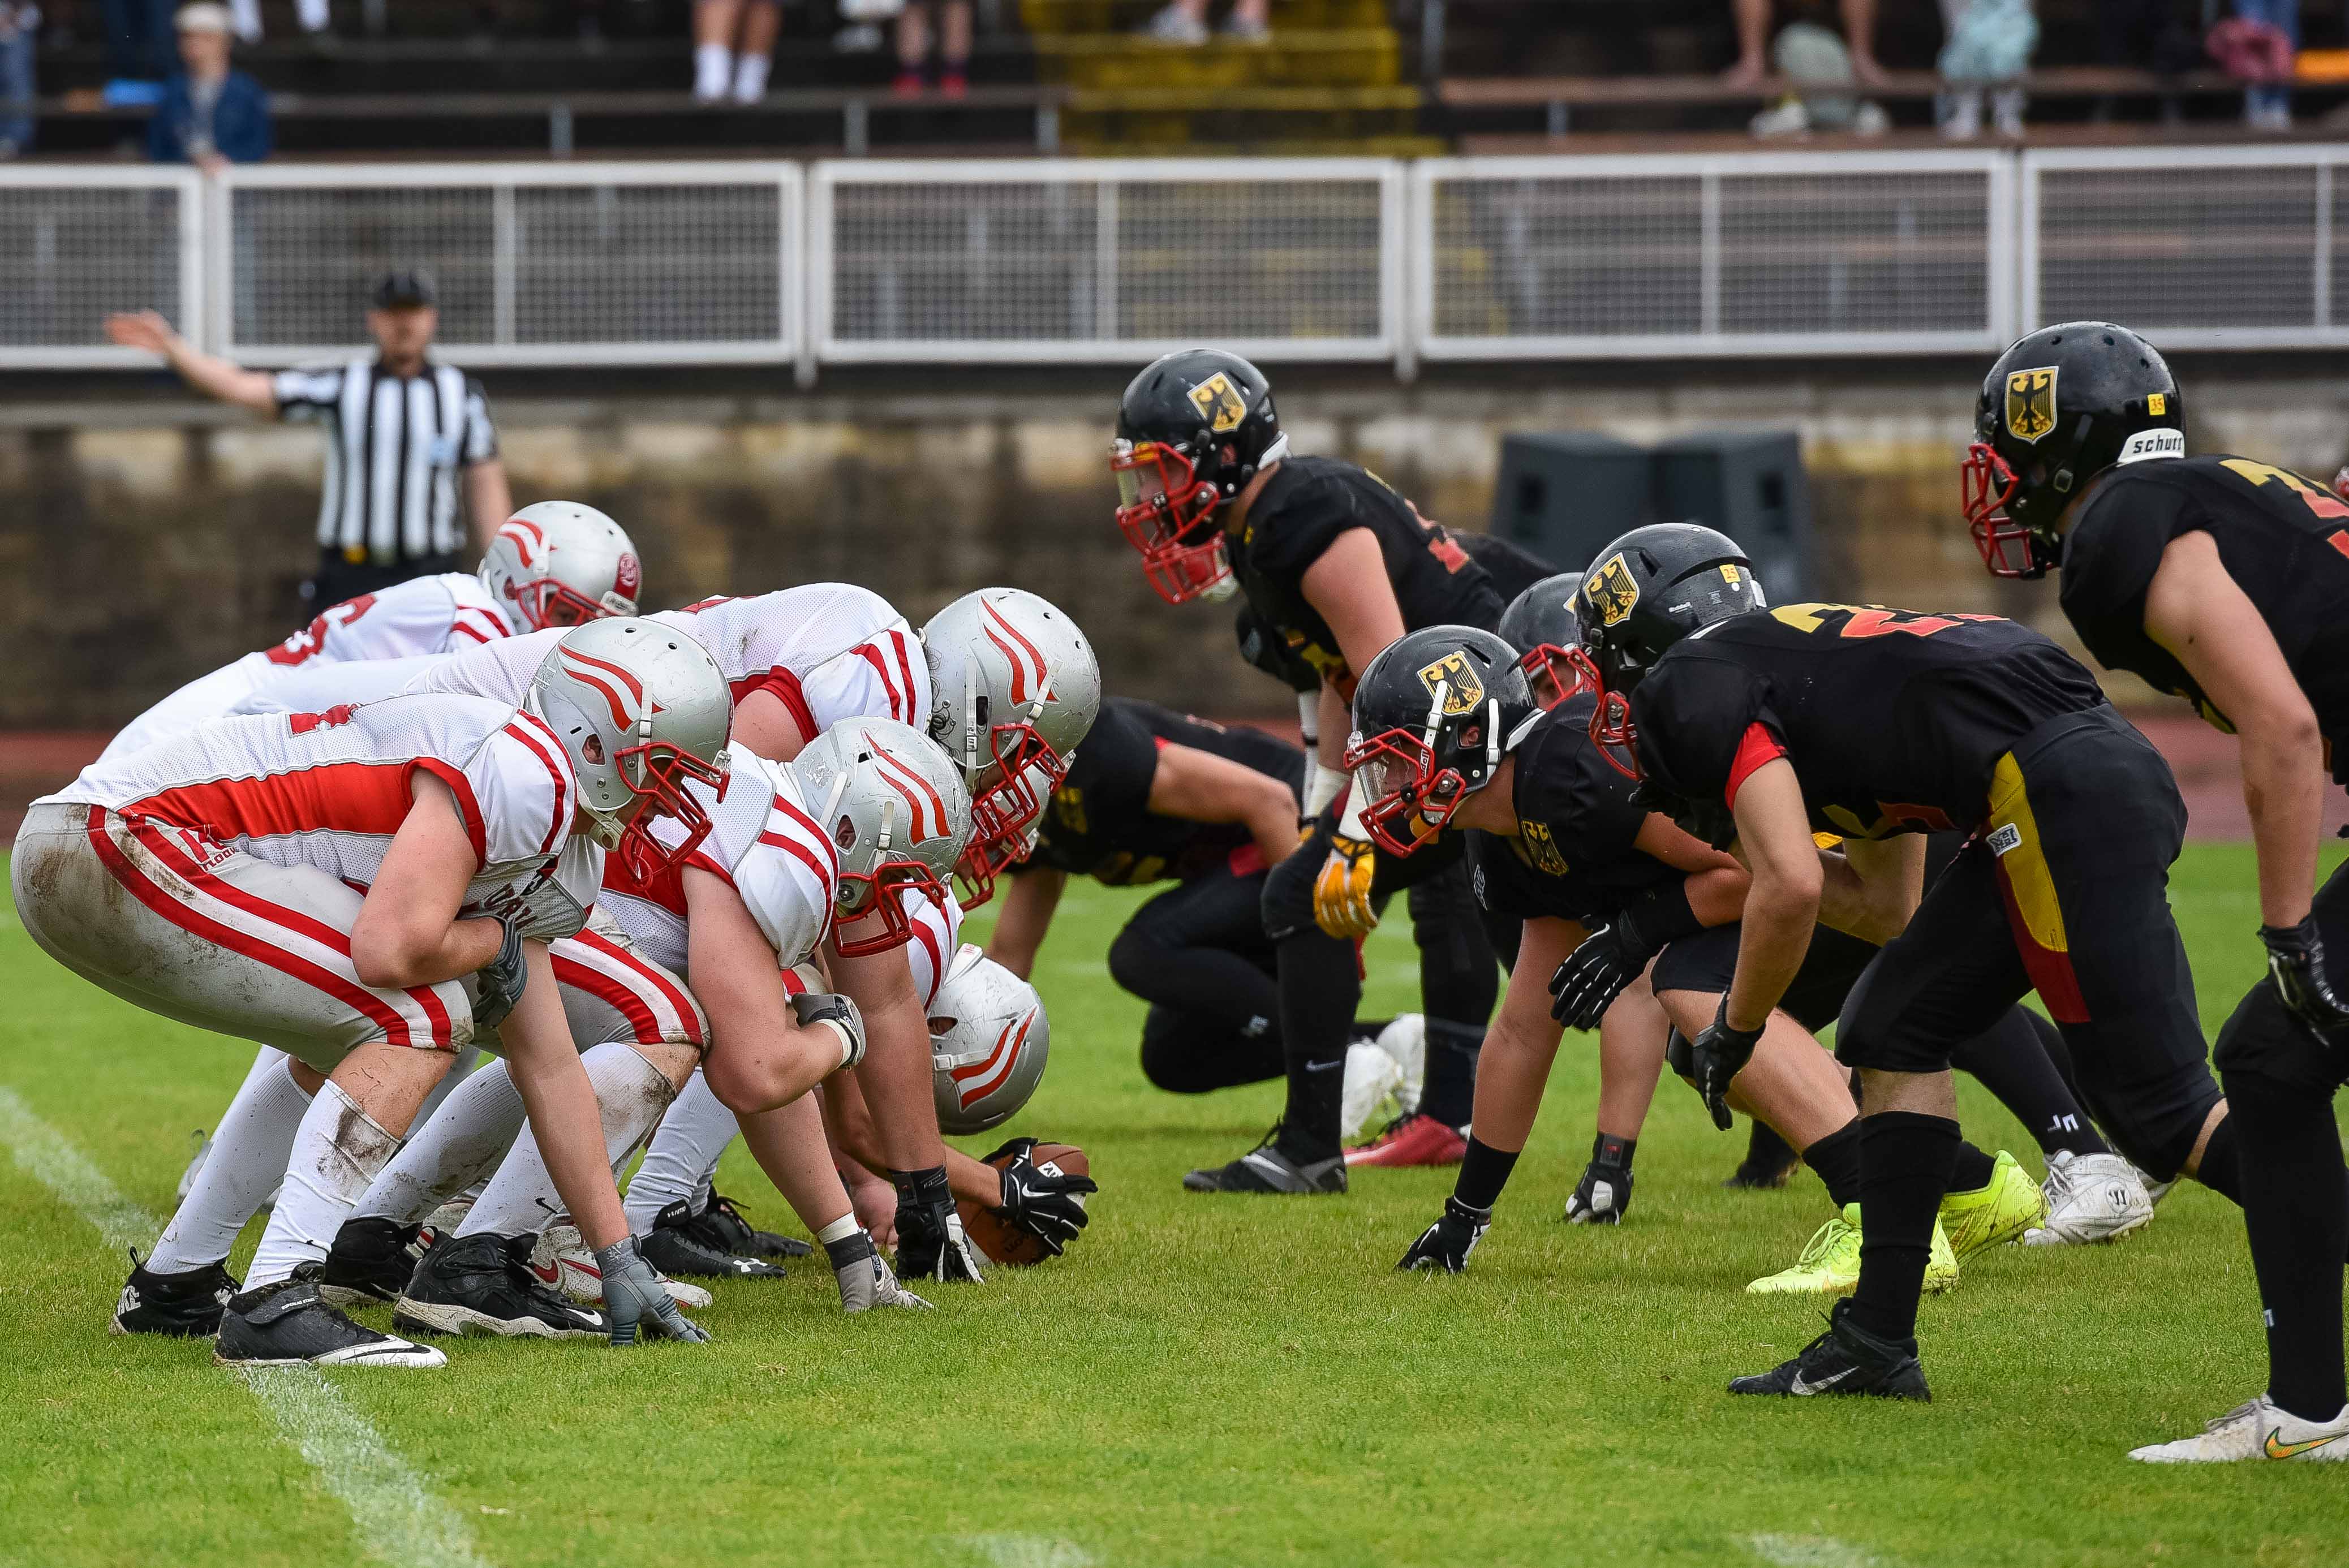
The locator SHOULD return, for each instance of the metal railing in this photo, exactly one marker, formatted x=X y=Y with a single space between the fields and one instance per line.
x=1080 y=261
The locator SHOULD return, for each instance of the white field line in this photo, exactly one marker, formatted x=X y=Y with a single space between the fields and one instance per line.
x=1811 y=1552
x=396 y=1516
x=1026 y=1551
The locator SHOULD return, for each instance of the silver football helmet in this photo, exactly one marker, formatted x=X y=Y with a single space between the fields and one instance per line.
x=559 y=563
x=1014 y=687
x=641 y=709
x=897 y=811
x=988 y=1042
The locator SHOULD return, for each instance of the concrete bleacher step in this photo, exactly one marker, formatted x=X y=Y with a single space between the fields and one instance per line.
x=1067 y=18
x=1350 y=58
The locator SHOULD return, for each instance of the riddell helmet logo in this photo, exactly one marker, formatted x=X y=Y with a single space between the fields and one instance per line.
x=1452 y=678
x=2030 y=403
x=1219 y=402
x=626 y=579
x=1613 y=590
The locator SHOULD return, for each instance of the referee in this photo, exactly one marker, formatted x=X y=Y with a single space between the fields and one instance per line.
x=400 y=428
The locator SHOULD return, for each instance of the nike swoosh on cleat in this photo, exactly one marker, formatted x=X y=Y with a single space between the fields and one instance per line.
x=1272 y=1168
x=1803 y=1385
x=548 y=1273
x=1324 y=1067
x=2276 y=1450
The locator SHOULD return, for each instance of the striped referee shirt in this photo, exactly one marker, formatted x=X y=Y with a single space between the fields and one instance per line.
x=394 y=445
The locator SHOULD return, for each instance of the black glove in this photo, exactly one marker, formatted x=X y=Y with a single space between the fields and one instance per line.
x=1595 y=974
x=1049 y=1208
x=1446 y=1244
x=501 y=981
x=1719 y=1053
x=1603 y=1196
x=2296 y=964
x=930 y=1240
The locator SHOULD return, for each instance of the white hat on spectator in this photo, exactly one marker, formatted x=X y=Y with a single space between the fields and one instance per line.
x=204 y=16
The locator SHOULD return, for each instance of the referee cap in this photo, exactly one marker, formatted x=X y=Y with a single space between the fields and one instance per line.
x=403 y=290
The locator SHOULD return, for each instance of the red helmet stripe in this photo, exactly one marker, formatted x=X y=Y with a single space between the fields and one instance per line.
x=996 y=1070
x=929 y=792
x=636 y=688
x=1043 y=675
x=530 y=540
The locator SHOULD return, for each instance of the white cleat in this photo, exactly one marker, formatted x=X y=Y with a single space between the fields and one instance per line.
x=2258 y=1430
x=1405 y=1039
x=1368 y=1100
x=2090 y=1197
x=562 y=1260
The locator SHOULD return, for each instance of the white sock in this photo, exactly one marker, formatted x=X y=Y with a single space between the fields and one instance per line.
x=684 y=1152
x=749 y=79
x=712 y=64
x=337 y=1152
x=313 y=15
x=250 y=1149
x=475 y=1128
x=630 y=1094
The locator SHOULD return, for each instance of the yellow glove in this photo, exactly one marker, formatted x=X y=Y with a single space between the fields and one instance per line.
x=1341 y=894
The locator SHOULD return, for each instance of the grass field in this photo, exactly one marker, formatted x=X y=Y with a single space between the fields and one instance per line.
x=1200 y=1381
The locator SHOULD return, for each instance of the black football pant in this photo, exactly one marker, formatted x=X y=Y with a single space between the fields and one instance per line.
x=1197 y=954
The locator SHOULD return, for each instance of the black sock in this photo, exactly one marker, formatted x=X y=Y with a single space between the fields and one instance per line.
x=1318 y=987
x=1835 y=1157
x=1484 y=1171
x=2013 y=1060
x=1765 y=1151
x=1904 y=1169
x=1450 y=1091
x=2223 y=1163
x=925 y=1189
x=1971 y=1172
x=2296 y=1213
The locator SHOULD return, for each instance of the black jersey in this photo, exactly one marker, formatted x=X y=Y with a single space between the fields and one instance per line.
x=1099 y=823
x=1573 y=856
x=1303 y=508
x=1512 y=567
x=2284 y=539
x=1893 y=720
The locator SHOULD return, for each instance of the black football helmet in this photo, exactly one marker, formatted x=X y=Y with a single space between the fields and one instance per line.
x=1192 y=430
x=1644 y=592
x=1431 y=716
x=2059 y=407
x=1263 y=646
x=1541 y=624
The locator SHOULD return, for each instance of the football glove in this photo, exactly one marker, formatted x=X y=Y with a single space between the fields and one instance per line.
x=1049 y=1208
x=1718 y=1054
x=1446 y=1244
x=1341 y=892
x=2296 y=964
x=1603 y=1196
x=836 y=1013
x=500 y=981
x=1595 y=973
x=863 y=1275
x=635 y=1298
x=930 y=1240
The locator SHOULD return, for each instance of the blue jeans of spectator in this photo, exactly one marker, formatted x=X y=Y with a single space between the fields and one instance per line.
x=2284 y=15
x=139 y=43
x=16 y=86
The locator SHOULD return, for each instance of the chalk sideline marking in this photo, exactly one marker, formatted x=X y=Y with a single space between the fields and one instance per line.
x=1811 y=1552
x=395 y=1514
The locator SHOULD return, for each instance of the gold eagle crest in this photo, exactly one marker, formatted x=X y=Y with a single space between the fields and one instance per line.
x=2030 y=403
x=1219 y=402
x=1613 y=590
x=1461 y=689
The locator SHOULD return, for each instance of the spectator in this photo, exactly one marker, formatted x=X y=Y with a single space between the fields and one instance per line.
x=914 y=32
x=1814 y=58
x=211 y=115
x=2257 y=47
x=19 y=25
x=138 y=39
x=733 y=47
x=1753 y=32
x=1990 y=43
x=1186 y=22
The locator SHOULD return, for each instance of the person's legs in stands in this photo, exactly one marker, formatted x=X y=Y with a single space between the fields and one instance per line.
x=1752 y=17
x=763 y=21
x=913 y=47
x=1859 y=33
x=714 y=26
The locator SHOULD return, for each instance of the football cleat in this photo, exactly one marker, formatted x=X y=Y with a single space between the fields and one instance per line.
x=1405 y=1039
x=1769 y=1161
x=730 y=1232
x=1846 y=1360
x=1268 y=1168
x=1372 y=1081
x=178 y=1305
x=678 y=1246
x=285 y=1324
x=562 y=1260
x=2258 y=1430
x=2090 y=1197
x=1829 y=1264
x=371 y=1261
x=1415 y=1139
x=1997 y=1212
x=483 y=1284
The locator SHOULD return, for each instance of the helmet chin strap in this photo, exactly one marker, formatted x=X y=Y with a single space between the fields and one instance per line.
x=970 y=718
x=1492 y=735
x=1436 y=714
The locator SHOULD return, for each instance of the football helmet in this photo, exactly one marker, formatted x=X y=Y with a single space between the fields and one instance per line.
x=1014 y=686
x=988 y=1043
x=559 y=563
x=897 y=811
x=2059 y=407
x=1643 y=592
x=1192 y=430
x=642 y=710
x=1540 y=624
x=1432 y=716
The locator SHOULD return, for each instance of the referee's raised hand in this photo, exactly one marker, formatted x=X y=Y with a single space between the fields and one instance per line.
x=208 y=374
x=144 y=329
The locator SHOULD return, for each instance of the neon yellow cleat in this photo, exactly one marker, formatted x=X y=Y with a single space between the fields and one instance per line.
x=1829 y=1264
x=1996 y=1213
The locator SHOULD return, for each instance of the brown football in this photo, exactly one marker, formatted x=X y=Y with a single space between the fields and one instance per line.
x=999 y=1240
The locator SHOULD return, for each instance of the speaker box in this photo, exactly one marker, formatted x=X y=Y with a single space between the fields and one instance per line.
x=1563 y=495
x=1749 y=484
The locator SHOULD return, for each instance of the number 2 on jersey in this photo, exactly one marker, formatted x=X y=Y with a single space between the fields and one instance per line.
x=2319 y=501
x=1868 y=620
x=304 y=644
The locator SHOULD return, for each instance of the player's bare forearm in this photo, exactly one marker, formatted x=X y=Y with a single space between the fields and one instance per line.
x=1512 y=1068
x=488 y=500
x=788 y=1144
x=1783 y=904
x=1348 y=587
x=209 y=374
x=1026 y=917
x=1337 y=723
x=1200 y=786
x=545 y=1067
x=1718 y=896
x=764 y=726
x=407 y=933
x=2283 y=790
x=762 y=1056
x=1870 y=890
x=896 y=1073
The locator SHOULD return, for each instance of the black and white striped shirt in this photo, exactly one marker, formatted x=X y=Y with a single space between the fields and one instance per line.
x=394 y=446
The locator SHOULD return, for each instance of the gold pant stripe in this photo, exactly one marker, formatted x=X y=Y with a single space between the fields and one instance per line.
x=2024 y=862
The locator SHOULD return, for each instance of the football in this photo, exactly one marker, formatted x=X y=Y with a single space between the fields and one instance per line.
x=999 y=1240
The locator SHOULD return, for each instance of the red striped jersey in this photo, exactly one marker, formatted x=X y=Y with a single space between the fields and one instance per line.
x=830 y=651
x=329 y=789
x=436 y=614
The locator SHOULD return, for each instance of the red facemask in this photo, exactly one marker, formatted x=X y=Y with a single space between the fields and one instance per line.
x=1985 y=485
x=1611 y=729
x=1567 y=671
x=660 y=772
x=1165 y=515
x=1407 y=800
x=547 y=602
x=1027 y=772
x=883 y=919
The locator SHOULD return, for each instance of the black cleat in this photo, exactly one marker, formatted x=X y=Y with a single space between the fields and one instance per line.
x=371 y=1261
x=728 y=1230
x=180 y=1305
x=1770 y=1161
x=678 y=1245
x=285 y=1324
x=482 y=1284
x=1270 y=1167
x=1845 y=1359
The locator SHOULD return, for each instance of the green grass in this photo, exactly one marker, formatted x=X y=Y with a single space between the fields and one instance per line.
x=1202 y=1380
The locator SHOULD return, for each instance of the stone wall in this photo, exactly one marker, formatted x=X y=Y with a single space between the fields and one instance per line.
x=145 y=539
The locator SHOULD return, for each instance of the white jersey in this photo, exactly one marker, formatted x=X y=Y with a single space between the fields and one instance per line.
x=316 y=687
x=830 y=651
x=329 y=789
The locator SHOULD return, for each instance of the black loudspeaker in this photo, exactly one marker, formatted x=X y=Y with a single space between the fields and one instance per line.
x=1562 y=496
x=1749 y=484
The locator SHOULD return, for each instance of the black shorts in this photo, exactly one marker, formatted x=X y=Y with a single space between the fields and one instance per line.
x=1706 y=962
x=2261 y=1037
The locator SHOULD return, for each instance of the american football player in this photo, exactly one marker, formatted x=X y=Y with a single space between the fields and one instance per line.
x=2220 y=579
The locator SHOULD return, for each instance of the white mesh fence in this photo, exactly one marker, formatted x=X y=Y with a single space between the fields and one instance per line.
x=1044 y=261
x=77 y=244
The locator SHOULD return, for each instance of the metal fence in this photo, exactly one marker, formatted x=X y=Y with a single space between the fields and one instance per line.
x=1070 y=261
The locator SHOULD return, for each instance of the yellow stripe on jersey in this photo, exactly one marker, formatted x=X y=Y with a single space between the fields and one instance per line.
x=2012 y=835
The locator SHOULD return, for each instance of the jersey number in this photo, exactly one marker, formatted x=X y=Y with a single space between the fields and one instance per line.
x=304 y=723
x=304 y=644
x=1868 y=620
x=2322 y=504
